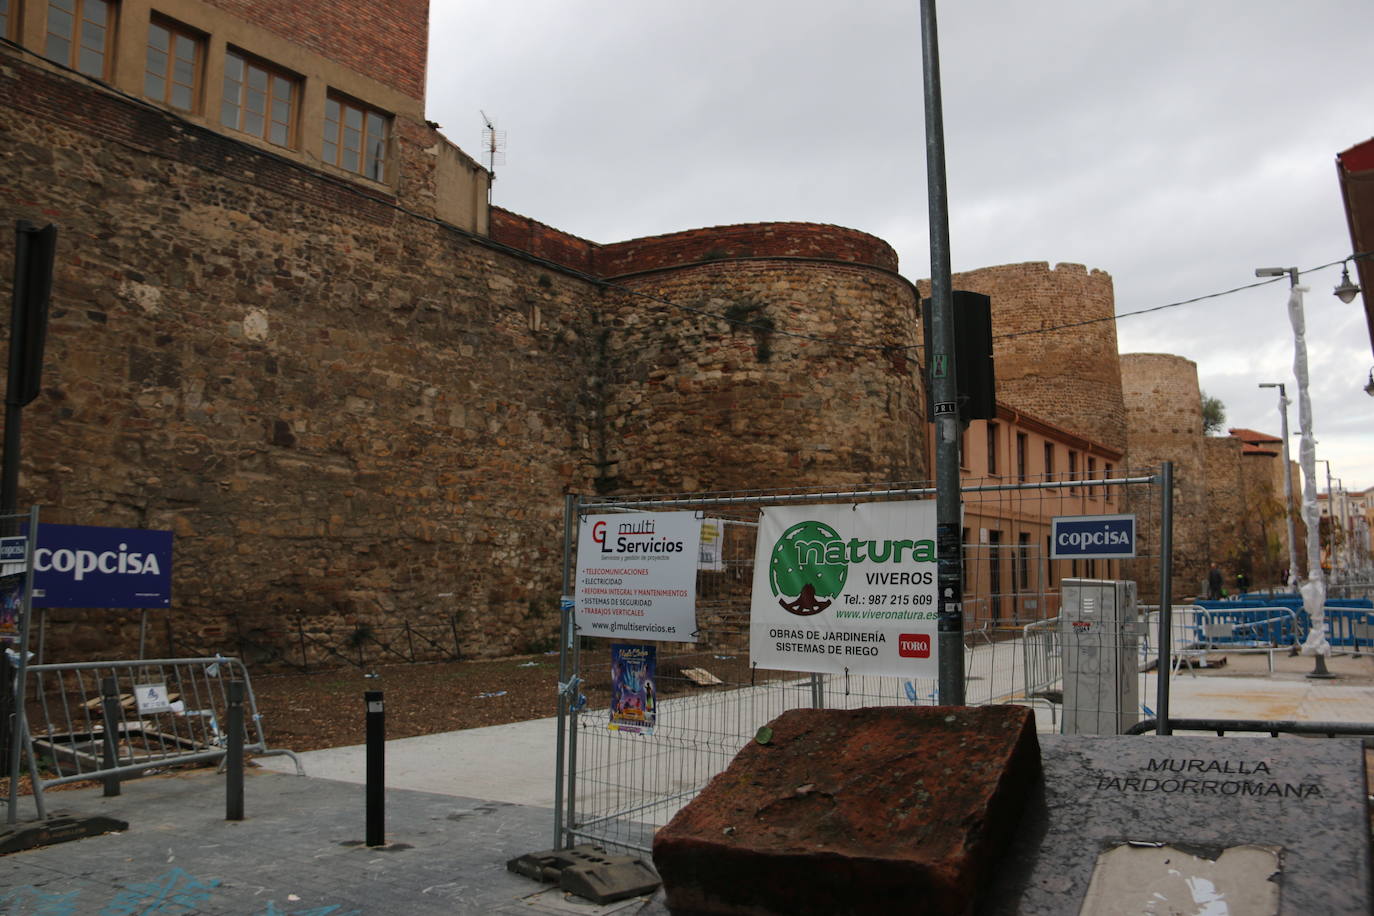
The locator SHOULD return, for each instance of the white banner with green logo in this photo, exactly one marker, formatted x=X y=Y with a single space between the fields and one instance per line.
x=846 y=587
x=637 y=575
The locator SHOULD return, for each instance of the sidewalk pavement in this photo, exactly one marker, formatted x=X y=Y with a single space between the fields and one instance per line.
x=458 y=806
x=298 y=852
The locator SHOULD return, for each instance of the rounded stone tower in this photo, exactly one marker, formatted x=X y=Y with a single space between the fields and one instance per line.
x=1054 y=343
x=758 y=356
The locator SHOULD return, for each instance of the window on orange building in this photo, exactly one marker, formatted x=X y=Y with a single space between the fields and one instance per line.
x=355 y=137
x=259 y=99
x=80 y=34
x=993 y=429
x=1021 y=456
x=1049 y=461
x=173 y=71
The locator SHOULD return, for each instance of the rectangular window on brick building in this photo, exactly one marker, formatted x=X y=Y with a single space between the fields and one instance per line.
x=355 y=137
x=1049 y=461
x=259 y=99
x=1073 y=472
x=993 y=429
x=1092 y=474
x=1021 y=442
x=80 y=34
x=172 y=72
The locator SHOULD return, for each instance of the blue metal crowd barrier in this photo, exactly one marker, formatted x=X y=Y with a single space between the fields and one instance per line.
x=1262 y=620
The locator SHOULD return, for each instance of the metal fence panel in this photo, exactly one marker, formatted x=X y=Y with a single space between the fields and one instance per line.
x=711 y=701
x=94 y=720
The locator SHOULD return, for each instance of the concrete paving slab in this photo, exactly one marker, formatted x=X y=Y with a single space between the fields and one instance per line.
x=515 y=763
x=507 y=763
x=299 y=852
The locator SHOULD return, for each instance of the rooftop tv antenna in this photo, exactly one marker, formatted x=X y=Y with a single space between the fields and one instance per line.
x=494 y=142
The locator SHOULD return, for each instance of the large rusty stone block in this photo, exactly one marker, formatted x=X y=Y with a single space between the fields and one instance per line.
x=881 y=810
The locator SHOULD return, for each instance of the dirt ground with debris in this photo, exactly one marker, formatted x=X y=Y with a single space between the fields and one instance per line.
x=305 y=712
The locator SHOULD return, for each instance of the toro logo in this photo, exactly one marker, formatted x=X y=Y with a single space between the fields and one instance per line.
x=914 y=645
x=810 y=563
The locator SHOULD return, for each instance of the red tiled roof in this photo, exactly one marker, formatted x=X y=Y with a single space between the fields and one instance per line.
x=1251 y=436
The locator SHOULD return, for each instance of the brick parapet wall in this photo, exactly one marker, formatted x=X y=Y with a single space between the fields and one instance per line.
x=694 y=246
x=543 y=241
x=755 y=240
x=387 y=41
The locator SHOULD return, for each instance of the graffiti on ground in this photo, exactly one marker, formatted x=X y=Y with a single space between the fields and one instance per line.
x=173 y=892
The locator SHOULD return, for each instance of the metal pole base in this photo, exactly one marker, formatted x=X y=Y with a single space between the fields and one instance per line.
x=1320 y=672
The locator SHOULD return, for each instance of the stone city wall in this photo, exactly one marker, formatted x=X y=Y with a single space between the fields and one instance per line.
x=347 y=413
x=1164 y=418
x=355 y=418
x=736 y=401
x=1224 y=469
x=1072 y=375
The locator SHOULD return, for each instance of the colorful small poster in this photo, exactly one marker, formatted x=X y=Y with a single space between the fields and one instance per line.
x=634 y=697
x=11 y=606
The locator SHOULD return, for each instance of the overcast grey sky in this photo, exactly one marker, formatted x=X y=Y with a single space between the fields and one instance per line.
x=1175 y=145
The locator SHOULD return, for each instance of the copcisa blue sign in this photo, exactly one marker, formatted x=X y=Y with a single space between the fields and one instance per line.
x=1094 y=537
x=86 y=566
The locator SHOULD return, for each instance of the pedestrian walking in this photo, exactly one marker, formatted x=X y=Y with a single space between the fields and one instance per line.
x=1214 y=583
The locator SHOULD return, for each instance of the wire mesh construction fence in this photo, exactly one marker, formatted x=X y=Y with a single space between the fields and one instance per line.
x=616 y=785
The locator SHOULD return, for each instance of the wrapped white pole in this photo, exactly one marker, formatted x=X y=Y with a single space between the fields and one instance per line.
x=1314 y=589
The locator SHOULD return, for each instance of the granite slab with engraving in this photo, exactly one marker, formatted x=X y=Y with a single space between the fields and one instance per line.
x=1124 y=824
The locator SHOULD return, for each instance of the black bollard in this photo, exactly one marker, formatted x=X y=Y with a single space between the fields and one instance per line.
x=109 y=709
x=233 y=760
x=376 y=768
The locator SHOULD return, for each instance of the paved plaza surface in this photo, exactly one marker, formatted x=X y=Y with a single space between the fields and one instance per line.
x=458 y=806
x=298 y=852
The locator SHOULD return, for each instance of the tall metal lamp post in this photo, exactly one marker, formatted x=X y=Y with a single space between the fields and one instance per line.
x=1335 y=524
x=1287 y=485
x=1314 y=589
